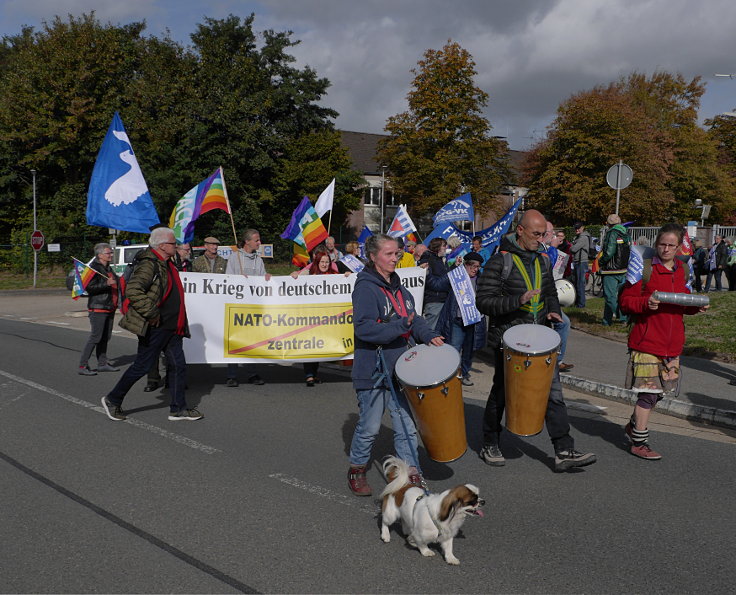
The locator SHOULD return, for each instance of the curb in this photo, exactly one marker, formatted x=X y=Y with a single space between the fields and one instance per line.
x=674 y=407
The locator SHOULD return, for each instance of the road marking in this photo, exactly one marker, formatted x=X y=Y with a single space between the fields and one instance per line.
x=352 y=502
x=210 y=450
x=55 y=322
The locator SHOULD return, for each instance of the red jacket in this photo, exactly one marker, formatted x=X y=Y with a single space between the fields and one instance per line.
x=660 y=332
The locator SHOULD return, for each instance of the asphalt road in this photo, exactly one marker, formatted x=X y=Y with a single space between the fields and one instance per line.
x=254 y=497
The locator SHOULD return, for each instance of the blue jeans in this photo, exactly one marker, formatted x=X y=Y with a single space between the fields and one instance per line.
x=562 y=329
x=372 y=403
x=155 y=341
x=580 y=269
x=612 y=284
x=461 y=338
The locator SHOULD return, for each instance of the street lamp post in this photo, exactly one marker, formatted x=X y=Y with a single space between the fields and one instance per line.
x=383 y=194
x=35 y=252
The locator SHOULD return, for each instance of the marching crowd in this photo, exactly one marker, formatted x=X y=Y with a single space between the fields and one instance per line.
x=517 y=284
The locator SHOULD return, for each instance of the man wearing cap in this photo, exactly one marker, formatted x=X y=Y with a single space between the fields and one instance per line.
x=580 y=251
x=210 y=261
x=407 y=258
x=614 y=261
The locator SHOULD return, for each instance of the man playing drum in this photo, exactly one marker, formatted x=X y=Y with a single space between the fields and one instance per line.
x=523 y=293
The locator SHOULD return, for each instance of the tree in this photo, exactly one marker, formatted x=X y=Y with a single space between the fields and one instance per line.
x=442 y=147
x=650 y=123
x=723 y=131
x=232 y=99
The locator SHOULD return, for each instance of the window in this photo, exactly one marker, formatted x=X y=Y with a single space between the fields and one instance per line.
x=372 y=196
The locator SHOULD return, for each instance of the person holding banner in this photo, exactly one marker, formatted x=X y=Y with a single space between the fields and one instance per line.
x=247 y=262
x=526 y=296
x=658 y=335
x=351 y=262
x=321 y=265
x=460 y=321
x=384 y=320
x=407 y=258
x=102 y=302
x=210 y=261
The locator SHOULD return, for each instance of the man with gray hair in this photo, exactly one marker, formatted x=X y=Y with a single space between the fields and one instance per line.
x=156 y=313
x=246 y=261
x=101 y=303
x=334 y=253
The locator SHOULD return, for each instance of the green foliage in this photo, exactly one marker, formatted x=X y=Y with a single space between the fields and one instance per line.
x=231 y=99
x=442 y=147
x=650 y=123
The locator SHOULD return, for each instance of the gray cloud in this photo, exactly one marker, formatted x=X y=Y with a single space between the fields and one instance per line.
x=530 y=54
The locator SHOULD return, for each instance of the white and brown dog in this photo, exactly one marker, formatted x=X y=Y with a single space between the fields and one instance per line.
x=425 y=518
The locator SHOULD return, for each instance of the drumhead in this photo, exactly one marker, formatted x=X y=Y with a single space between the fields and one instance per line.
x=531 y=339
x=427 y=365
x=565 y=292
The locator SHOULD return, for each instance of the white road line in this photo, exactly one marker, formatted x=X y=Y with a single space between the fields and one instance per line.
x=352 y=502
x=55 y=322
x=210 y=450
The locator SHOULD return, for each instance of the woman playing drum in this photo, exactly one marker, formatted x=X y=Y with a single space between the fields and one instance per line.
x=384 y=318
x=657 y=337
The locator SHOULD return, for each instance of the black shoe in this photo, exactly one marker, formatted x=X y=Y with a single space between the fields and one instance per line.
x=310 y=381
x=232 y=382
x=150 y=387
x=256 y=379
x=186 y=415
x=732 y=382
x=567 y=459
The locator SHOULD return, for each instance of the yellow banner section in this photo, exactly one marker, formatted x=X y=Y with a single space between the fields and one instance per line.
x=288 y=331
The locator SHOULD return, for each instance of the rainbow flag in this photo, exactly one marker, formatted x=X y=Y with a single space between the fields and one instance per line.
x=305 y=228
x=206 y=196
x=82 y=276
x=301 y=256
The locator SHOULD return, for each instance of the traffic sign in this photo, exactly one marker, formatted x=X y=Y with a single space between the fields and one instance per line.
x=619 y=176
x=37 y=240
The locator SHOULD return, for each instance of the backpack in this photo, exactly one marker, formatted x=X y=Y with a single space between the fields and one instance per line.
x=123 y=283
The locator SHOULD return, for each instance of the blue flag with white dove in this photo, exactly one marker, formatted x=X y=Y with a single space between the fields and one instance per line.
x=118 y=196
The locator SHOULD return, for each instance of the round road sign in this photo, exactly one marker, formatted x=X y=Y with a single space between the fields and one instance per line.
x=37 y=240
x=619 y=176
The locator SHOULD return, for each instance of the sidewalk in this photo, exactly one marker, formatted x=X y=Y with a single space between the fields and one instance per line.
x=600 y=364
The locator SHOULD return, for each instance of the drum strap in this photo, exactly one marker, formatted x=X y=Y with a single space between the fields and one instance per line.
x=382 y=376
x=535 y=305
x=398 y=306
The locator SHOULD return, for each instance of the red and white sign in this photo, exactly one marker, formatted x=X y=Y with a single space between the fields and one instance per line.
x=37 y=240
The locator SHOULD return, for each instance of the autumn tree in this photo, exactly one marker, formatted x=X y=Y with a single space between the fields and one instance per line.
x=442 y=146
x=722 y=129
x=650 y=123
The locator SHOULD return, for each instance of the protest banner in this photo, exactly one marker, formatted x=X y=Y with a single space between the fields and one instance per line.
x=235 y=319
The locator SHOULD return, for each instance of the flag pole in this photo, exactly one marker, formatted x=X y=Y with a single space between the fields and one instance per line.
x=232 y=221
x=89 y=267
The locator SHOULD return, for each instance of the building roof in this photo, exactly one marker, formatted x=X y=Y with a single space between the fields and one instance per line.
x=362 y=148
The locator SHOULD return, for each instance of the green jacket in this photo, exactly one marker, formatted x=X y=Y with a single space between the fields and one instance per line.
x=614 y=258
x=145 y=289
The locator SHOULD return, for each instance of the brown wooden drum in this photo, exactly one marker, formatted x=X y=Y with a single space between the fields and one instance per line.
x=429 y=377
x=530 y=356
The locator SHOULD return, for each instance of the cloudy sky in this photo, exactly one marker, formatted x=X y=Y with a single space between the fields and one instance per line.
x=530 y=54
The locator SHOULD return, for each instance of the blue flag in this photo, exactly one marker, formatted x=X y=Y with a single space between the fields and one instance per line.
x=446 y=230
x=364 y=235
x=492 y=235
x=460 y=209
x=118 y=196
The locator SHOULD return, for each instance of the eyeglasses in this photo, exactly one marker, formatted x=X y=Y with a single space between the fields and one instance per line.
x=108 y=253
